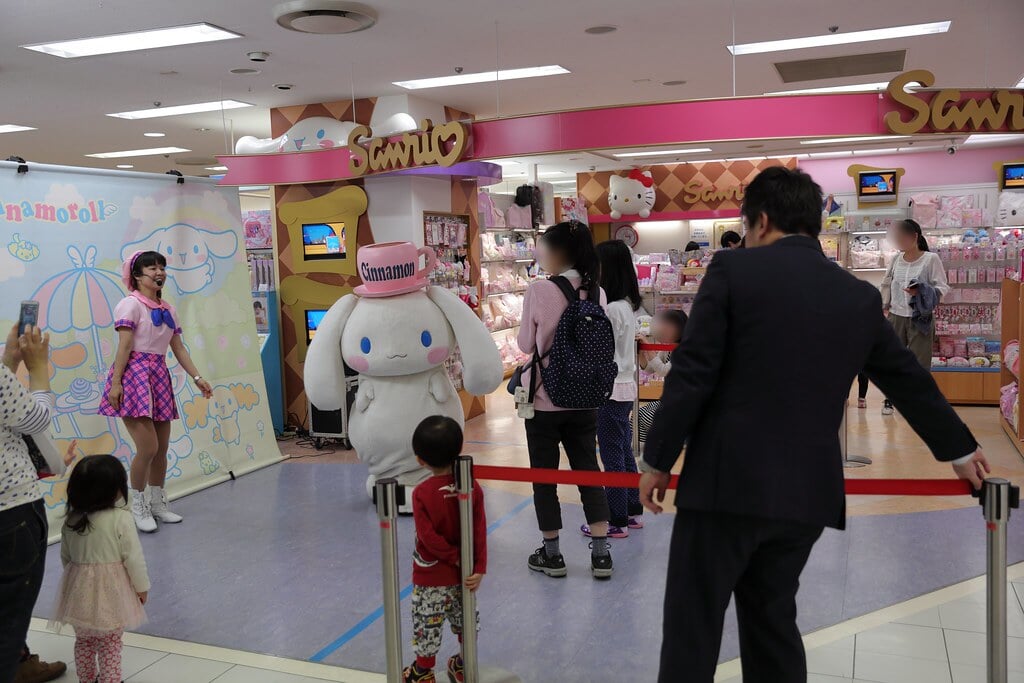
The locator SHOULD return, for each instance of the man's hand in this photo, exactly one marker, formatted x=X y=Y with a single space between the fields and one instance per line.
x=974 y=470
x=652 y=487
x=473 y=581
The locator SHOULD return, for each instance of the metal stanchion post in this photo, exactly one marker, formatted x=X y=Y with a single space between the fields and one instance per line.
x=386 y=496
x=473 y=673
x=636 y=406
x=997 y=497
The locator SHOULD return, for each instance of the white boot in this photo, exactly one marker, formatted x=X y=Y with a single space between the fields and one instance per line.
x=144 y=521
x=158 y=504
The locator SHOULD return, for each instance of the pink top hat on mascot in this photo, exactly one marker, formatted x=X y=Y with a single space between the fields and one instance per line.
x=392 y=268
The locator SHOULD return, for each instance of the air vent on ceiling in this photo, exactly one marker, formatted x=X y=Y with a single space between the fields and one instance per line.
x=326 y=17
x=841 y=67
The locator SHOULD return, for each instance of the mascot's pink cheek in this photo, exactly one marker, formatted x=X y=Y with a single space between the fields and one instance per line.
x=435 y=356
x=359 y=363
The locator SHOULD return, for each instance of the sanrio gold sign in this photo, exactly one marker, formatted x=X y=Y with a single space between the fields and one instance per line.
x=432 y=145
x=947 y=111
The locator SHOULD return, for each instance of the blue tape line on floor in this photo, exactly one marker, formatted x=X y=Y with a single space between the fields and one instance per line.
x=367 y=621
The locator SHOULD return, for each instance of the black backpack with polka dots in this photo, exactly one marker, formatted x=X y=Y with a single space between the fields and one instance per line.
x=581 y=367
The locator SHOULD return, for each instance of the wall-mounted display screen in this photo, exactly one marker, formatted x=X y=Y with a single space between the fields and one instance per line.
x=1013 y=176
x=323 y=241
x=876 y=186
x=313 y=320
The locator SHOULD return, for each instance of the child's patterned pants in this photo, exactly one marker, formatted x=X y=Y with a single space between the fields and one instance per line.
x=104 y=646
x=431 y=605
x=615 y=441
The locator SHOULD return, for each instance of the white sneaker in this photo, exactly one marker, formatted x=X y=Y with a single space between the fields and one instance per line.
x=158 y=504
x=887 y=408
x=144 y=521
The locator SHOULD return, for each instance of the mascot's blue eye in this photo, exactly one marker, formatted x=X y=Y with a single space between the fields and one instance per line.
x=320 y=134
x=426 y=339
x=195 y=249
x=170 y=250
x=364 y=344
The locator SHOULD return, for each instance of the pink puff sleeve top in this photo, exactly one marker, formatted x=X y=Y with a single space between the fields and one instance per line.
x=135 y=313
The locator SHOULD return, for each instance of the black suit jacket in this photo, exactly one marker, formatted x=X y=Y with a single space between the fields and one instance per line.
x=759 y=384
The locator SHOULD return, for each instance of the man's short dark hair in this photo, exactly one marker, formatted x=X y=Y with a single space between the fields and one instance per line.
x=437 y=441
x=790 y=198
x=729 y=238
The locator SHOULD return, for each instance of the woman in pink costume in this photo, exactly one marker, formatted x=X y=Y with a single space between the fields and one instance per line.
x=139 y=387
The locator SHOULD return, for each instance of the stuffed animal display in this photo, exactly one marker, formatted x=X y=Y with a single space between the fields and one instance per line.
x=632 y=195
x=1011 y=209
x=397 y=332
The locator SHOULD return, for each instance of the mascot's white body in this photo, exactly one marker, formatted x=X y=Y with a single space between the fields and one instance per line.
x=398 y=344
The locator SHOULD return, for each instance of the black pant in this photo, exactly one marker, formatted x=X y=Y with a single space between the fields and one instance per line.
x=23 y=531
x=714 y=555
x=862 y=386
x=577 y=431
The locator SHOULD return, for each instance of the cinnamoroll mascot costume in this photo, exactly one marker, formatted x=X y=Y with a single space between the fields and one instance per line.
x=397 y=331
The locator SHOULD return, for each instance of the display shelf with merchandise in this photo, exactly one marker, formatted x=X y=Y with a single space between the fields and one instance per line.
x=1009 y=378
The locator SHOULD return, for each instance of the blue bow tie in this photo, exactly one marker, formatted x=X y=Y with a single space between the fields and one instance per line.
x=161 y=316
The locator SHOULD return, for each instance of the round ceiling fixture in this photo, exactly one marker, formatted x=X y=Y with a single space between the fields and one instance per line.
x=674 y=83
x=283 y=86
x=324 y=17
x=246 y=71
x=601 y=29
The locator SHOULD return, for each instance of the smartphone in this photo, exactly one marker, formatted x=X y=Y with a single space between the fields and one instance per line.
x=29 y=316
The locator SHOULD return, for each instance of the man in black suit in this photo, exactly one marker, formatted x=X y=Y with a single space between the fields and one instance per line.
x=757 y=388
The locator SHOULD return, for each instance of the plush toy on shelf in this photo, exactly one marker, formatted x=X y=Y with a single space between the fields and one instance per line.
x=631 y=195
x=397 y=332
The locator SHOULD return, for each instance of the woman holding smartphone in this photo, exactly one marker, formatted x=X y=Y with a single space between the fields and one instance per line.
x=139 y=389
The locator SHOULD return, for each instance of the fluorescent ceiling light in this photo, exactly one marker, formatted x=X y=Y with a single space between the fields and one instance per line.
x=891 y=150
x=839 y=141
x=840 y=38
x=216 y=168
x=254 y=188
x=11 y=128
x=137 y=40
x=154 y=135
x=860 y=87
x=505 y=162
x=994 y=138
x=138 y=153
x=482 y=77
x=177 y=110
x=827 y=155
x=125 y=166
x=664 y=153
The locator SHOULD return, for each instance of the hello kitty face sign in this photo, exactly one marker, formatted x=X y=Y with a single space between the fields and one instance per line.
x=632 y=195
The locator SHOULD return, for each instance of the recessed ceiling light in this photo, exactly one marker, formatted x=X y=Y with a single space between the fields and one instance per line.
x=125 y=166
x=601 y=29
x=994 y=138
x=860 y=87
x=324 y=17
x=663 y=153
x=482 y=77
x=246 y=71
x=154 y=135
x=137 y=40
x=11 y=128
x=177 y=110
x=217 y=168
x=674 y=83
x=839 y=141
x=283 y=86
x=840 y=38
x=138 y=152
x=203 y=130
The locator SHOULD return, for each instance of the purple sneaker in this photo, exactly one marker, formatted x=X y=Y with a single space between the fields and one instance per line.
x=636 y=523
x=613 y=531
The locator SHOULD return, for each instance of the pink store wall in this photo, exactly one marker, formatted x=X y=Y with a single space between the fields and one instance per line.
x=924 y=169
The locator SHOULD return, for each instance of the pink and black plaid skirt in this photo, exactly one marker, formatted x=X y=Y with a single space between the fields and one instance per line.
x=146 y=383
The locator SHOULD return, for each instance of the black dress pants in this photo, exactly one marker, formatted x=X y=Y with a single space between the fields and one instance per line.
x=576 y=430
x=713 y=556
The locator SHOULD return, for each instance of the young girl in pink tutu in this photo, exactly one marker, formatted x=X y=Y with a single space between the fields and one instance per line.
x=139 y=389
x=105 y=582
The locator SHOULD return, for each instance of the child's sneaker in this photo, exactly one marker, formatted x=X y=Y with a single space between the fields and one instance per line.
x=414 y=674
x=636 y=523
x=613 y=531
x=552 y=566
x=456 y=670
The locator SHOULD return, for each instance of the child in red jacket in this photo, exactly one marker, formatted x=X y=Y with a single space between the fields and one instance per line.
x=436 y=575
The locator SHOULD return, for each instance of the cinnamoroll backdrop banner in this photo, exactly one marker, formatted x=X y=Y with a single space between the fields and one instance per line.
x=63 y=235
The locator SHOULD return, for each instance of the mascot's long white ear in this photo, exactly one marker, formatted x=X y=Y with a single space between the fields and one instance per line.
x=324 y=374
x=481 y=365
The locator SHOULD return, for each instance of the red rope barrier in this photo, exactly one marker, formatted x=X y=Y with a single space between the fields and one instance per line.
x=860 y=487
x=656 y=347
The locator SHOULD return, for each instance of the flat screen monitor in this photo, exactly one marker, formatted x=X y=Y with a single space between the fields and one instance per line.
x=323 y=241
x=1013 y=176
x=313 y=320
x=876 y=186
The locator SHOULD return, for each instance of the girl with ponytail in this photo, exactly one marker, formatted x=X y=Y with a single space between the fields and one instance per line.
x=915 y=263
